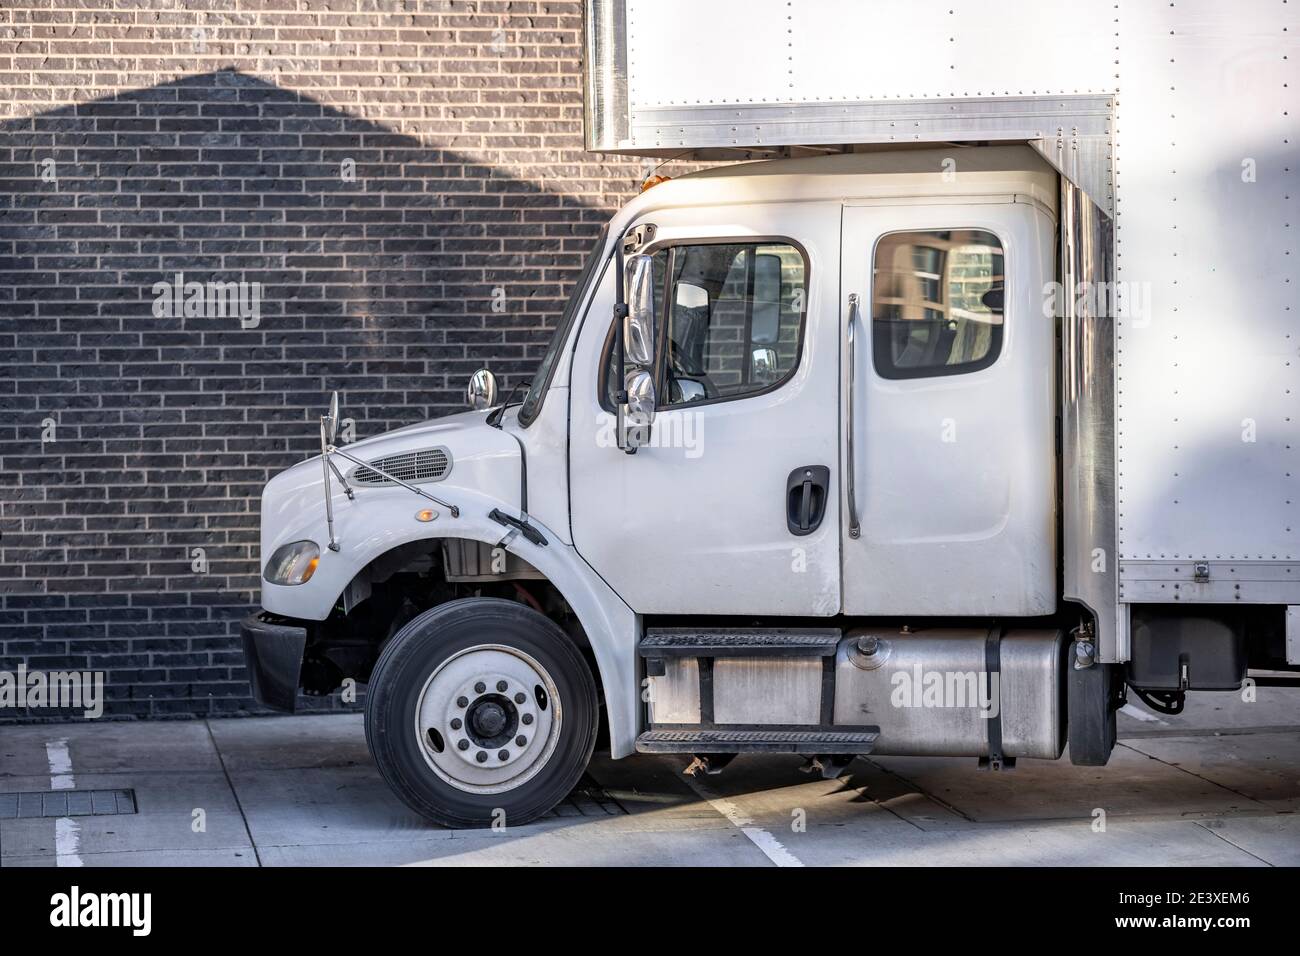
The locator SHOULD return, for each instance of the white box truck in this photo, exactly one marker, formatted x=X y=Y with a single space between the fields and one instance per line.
x=963 y=411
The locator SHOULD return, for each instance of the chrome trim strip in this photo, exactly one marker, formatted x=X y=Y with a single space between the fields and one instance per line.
x=1089 y=530
x=604 y=74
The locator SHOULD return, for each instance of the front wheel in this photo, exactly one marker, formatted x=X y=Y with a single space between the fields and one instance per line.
x=481 y=712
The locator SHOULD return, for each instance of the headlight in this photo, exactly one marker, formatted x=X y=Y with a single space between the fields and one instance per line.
x=293 y=563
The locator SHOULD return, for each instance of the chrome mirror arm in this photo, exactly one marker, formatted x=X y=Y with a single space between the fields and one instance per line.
x=326 y=465
x=342 y=481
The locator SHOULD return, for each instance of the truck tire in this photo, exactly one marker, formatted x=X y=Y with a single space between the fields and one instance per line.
x=481 y=712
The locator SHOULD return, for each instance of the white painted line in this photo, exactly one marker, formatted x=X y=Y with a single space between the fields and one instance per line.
x=1139 y=714
x=771 y=847
x=67 y=832
x=67 y=842
x=60 y=761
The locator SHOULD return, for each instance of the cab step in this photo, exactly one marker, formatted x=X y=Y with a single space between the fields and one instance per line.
x=661 y=642
x=721 y=740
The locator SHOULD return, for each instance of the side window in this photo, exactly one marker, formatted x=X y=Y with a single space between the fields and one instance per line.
x=731 y=320
x=734 y=320
x=936 y=302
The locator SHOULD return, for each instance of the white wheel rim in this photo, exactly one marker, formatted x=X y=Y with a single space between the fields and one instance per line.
x=479 y=737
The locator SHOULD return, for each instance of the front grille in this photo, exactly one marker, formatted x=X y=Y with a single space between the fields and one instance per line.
x=428 y=464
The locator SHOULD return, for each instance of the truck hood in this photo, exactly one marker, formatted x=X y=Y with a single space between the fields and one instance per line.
x=447 y=424
x=483 y=462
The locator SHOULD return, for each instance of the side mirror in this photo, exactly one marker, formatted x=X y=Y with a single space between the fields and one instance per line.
x=639 y=326
x=638 y=353
x=332 y=419
x=640 y=408
x=481 y=392
x=762 y=364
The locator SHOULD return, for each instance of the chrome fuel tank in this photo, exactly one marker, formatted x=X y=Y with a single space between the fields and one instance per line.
x=931 y=694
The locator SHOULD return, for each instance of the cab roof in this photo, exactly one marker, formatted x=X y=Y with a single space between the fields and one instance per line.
x=950 y=171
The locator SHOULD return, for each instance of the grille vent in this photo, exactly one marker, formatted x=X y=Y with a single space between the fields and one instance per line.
x=427 y=464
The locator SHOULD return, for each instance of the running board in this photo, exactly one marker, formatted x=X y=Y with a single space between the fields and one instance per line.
x=661 y=642
x=757 y=741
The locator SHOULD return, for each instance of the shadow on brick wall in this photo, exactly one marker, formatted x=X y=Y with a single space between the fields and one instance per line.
x=133 y=436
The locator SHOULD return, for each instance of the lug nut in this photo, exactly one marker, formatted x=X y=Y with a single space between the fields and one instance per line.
x=520 y=740
x=480 y=687
x=455 y=723
x=501 y=686
x=527 y=718
x=463 y=745
x=480 y=756
x=462 y=701
x=503 y=754
x=520 y=698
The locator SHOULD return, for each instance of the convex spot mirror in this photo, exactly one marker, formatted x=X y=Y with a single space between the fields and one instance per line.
x=640 y=408
x=481 y=393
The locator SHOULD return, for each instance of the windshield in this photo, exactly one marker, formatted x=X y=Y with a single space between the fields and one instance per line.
x=532 y=403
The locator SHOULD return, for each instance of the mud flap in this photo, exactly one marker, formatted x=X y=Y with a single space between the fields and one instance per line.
x=1094 y=696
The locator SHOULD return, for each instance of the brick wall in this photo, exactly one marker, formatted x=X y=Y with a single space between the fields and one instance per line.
x=386 y=170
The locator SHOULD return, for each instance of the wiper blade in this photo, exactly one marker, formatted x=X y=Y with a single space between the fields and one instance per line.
x=520 y=525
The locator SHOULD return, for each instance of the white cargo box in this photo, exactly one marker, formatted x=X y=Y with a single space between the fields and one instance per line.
x=1179 y=121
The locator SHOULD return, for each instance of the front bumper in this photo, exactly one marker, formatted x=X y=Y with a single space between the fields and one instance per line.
x=273 y=652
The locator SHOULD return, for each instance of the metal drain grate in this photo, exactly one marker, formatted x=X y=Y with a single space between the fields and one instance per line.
x=66 y=803
x=588 y=799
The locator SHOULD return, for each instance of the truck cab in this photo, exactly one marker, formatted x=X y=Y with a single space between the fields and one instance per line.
x=855 y=393
x=798 y=472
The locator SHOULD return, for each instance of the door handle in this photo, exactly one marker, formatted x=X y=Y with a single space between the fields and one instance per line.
x=849 y=466
x=805 y=498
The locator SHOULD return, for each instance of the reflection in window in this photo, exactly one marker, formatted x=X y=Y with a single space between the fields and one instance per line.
x=734 y=325
x=936 y=302
x=730 y=320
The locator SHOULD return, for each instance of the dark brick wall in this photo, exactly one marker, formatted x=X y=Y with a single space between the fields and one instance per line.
x=141 y=139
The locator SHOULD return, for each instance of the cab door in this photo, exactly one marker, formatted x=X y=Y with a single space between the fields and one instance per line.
x=949 y=455
x=732 y=507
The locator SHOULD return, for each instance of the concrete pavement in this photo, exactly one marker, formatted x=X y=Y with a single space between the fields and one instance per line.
x=1217 y=785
